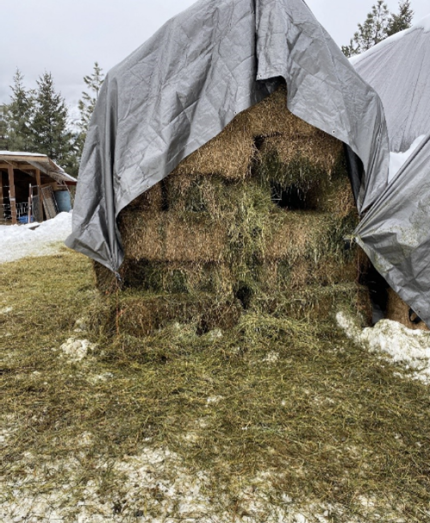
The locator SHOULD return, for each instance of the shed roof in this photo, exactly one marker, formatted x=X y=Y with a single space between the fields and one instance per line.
x=24 y=161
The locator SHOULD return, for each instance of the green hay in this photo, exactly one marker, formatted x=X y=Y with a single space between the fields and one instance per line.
x=326 y=421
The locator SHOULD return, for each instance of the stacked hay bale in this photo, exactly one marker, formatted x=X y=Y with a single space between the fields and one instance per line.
x=255 y=219
x=398 y=310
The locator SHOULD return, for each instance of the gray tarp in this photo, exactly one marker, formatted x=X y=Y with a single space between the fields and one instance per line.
x=396 y=234
x=398 y=69
x=186 y=83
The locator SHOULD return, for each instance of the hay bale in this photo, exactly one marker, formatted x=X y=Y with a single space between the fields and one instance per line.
x=268 y=126
x=179 y=277
x=140 y=315
x=163 y=237
x=271 y=117
x=229 y=154
x=212 y=239
x=150 y=201
x=398 y=310
x=316 y=302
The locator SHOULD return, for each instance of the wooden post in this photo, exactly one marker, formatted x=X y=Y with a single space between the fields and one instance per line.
x=29 y=204
x=1 y=197
x=12 y=199
x=39 y=192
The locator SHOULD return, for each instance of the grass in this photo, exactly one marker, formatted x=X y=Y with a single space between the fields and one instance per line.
x=294 y=401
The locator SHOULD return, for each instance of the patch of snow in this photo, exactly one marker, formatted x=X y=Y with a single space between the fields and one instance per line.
x=75 y=349
x=5 y=310
x=97 y=378
x=215 y=334
x=409 y=347
x=153 y=486
x=21 y=153
x=214 y=399
x=80 y=325
x=398 y=159
x=19 y=241
x=271 y=357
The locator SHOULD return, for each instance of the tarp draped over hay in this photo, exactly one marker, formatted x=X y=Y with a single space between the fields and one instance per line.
x=398 y=68
x=396 y=235
x=185 y=84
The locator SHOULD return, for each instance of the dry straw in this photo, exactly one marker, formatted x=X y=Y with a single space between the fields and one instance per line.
x=398 y=310
x=260 y=210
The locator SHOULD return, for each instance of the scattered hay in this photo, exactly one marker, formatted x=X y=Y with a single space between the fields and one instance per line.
x=325 y=427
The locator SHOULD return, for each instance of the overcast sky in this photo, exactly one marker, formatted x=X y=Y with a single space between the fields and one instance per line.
x=66 y=37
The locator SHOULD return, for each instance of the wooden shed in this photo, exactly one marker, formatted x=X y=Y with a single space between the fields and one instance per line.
x=32 y=187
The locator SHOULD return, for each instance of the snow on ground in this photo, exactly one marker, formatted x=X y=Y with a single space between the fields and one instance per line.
x=19 y=241
x=393 y=340
x=398 y=159
x=76 y=350
x=153 y=487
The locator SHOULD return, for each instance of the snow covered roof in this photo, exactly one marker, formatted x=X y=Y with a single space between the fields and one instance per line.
x=40 y=161
x=398 y=68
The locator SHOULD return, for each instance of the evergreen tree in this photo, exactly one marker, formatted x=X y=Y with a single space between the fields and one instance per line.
x=402 y=20
x=88 y=102
x=19 y=116
x=378 y=25
x=51 y=135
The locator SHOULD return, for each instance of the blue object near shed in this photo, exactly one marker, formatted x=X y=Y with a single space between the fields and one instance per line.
x=24 y=219
x=63 y=201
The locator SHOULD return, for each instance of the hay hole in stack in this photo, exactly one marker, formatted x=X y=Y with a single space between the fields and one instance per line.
x=253 y=220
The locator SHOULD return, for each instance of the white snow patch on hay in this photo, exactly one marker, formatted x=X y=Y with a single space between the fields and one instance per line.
x=76 y=350
x=153 y=486
x=5 y=310
x=19 y=241
x=409 y=347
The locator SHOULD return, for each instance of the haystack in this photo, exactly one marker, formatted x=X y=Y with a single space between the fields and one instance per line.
x=253 y=220
x=398 y=310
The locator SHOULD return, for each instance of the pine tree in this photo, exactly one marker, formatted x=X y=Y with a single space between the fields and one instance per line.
x=19 y=116
x=371 y=32
x=378 y=25
x=402 y=20
x=88 y=102
x=51 y=135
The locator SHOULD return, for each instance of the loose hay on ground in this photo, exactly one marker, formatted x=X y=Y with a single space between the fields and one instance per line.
x=329 y=423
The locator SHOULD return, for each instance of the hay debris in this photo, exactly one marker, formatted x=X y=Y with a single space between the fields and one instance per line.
x=328 y=425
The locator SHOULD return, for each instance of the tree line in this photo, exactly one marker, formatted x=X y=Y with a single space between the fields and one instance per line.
x=37 y=120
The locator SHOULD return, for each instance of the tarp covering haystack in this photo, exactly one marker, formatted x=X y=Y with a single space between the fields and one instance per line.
x=396 y=233
x=255 y=219
x=193 y=139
